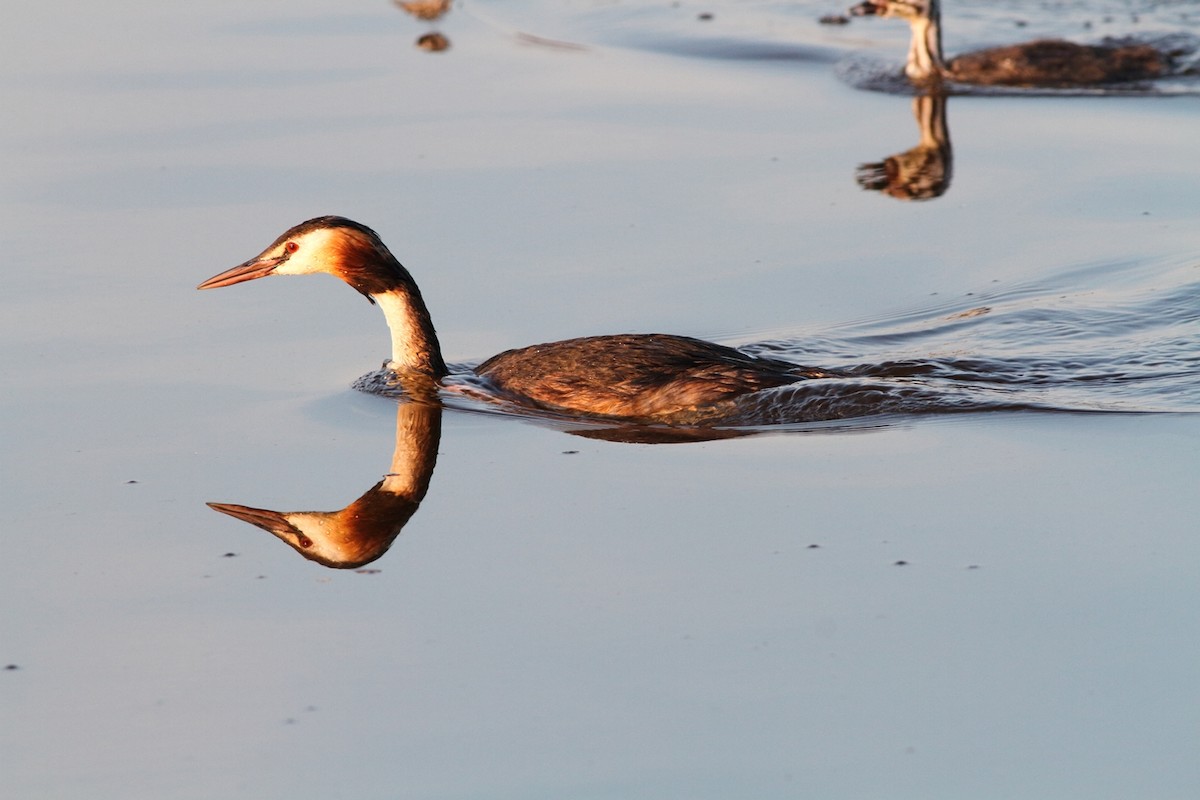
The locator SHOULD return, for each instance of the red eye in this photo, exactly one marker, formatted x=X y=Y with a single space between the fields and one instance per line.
x=291 y=247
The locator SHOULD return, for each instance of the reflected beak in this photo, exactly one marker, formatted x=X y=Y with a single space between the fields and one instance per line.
x=271 y=521
x=258 y=267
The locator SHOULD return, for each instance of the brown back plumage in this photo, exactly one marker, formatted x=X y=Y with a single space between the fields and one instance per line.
x=633 y=375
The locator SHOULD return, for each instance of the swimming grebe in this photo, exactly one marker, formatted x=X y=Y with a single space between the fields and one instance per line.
x=1050 y=63
x=635 y=376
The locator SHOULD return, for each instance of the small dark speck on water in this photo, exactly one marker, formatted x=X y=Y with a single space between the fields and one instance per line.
x=368 y=571
x=834 y=19
x=901 y=563
x=972 y=566
x=128 y=482
x=229 y=555
x=570 y=452
x=704 y=16
x=11 y=667
x=813 y=546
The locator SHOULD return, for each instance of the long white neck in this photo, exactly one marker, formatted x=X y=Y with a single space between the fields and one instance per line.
x=925 y=52
x=415 y=347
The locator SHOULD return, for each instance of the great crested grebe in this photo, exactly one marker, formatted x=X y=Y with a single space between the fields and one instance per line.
x=1050 y=63
x=636 y=376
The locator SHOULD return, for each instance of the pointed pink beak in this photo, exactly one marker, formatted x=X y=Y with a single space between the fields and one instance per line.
x=272 y=521
x=254 y=268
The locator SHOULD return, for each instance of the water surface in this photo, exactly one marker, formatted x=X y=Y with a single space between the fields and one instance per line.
x=987 y=604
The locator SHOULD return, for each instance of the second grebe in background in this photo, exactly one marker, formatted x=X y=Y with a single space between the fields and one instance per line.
x=1050 y=63
x=635 y=376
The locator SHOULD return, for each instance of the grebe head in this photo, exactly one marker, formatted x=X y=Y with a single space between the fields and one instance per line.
x=903 y=9
x=925 y=64
x=341 y=247
x=337 y=539
x=910 y=10
x=353 y=252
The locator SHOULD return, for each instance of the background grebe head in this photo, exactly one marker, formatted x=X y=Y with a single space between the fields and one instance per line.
x=353 y=252
x=925 y=49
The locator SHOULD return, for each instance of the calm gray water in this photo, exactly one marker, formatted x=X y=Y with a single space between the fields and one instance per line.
x=904 y=605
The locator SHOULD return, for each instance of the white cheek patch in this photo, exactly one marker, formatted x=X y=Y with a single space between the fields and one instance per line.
x=322 y=531
x=313 y=254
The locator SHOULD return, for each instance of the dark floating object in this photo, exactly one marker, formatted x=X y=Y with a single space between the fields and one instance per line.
x=433 y=42
x=834 y=19
x=1046 y=63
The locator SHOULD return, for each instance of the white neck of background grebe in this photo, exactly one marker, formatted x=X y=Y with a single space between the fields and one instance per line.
x=925 y=51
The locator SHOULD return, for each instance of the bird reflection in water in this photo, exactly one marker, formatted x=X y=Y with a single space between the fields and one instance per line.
x=362 y=531
x=922 y=172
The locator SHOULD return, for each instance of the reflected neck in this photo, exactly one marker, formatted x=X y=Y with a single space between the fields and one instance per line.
x=415 y=346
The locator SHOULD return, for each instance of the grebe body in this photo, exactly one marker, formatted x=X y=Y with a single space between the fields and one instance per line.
x=635 y=376
x=1048 y=63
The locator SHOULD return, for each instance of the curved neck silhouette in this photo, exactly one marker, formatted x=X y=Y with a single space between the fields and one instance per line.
x=362 y=531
